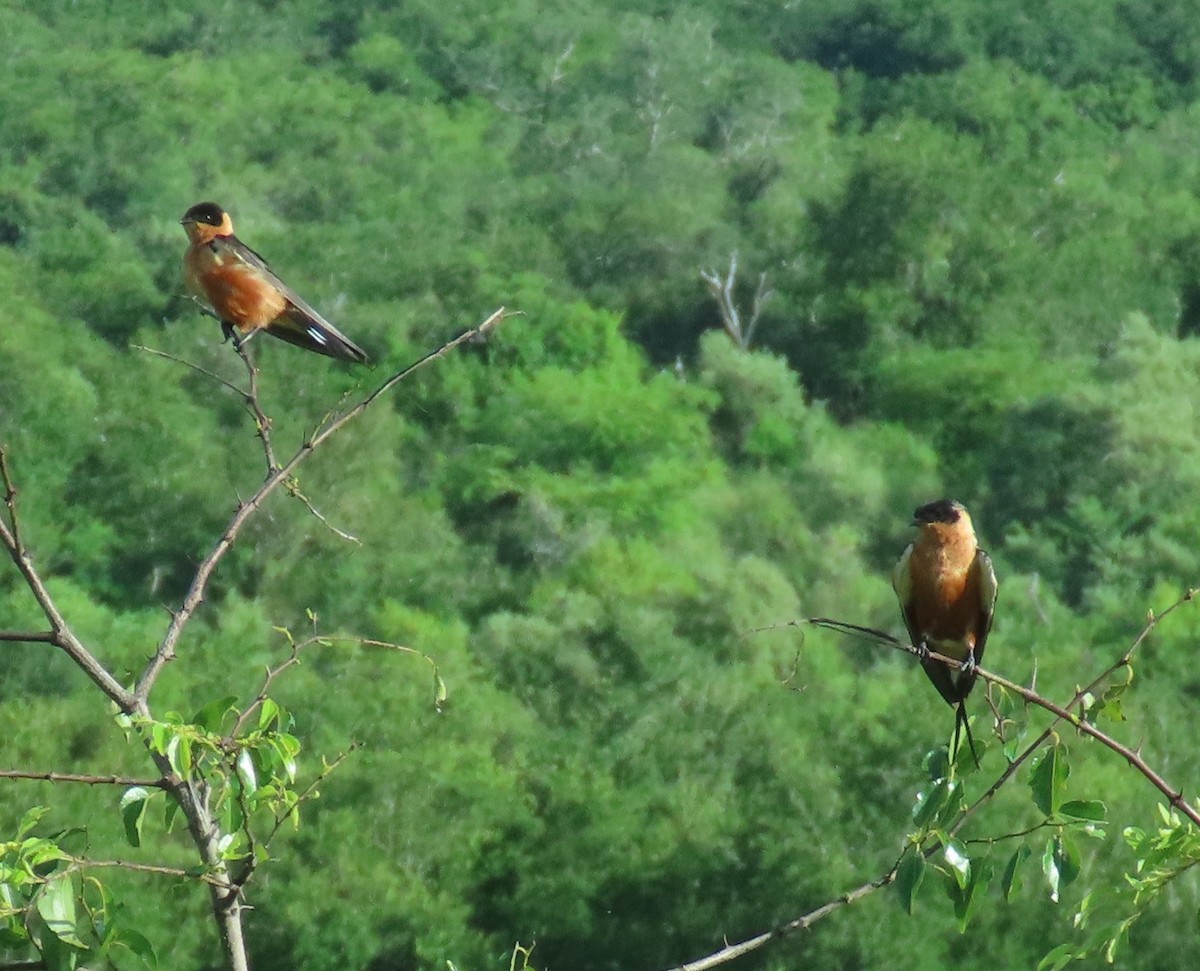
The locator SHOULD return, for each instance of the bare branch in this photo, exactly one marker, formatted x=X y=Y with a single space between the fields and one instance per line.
x=29 y=637
x=195 y=367
x=62 y=635
x=81 y=863
x=731 y=317
x=195 y=595
x=293 y=489
x=805 y=921
x=762 y=294
x=90 y=780
x=262 y=423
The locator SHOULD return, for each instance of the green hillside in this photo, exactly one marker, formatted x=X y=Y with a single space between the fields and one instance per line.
x=980 y=227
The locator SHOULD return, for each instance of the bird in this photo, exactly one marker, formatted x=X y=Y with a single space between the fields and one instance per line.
x=947 y=591
x=238 y=287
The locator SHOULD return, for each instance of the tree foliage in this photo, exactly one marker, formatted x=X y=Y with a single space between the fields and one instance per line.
x=980 y=225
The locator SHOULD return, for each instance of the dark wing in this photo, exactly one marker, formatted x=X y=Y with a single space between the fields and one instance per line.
x=902 y=584
x=299 y=324
x=988 y=589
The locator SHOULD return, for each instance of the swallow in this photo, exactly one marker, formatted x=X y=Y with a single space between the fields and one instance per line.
x=244 y=293
x=947 y=592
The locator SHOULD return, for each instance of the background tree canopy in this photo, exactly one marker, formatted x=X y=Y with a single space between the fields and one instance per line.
x=981 y=226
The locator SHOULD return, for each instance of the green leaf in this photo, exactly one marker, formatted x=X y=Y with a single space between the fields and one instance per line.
x=1046 y=783
x=213 y=714
x=1061 y=863
x=930 y=802
x=1010 y=883
x=56 y=905
x=31 y=818
x=134 y=803
x=245 y=768
x=1058 y=958
x=179 y=754
x=1068 y=859
x=1090 y=809
x=268 y=715
x=170 y=811
x=908 y=879
x=955 y=855
x=1050 y=869
x=131 y=951
x=967 y=905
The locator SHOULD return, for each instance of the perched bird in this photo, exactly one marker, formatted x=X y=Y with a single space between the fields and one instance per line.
x=947 y=592
x=246 y=295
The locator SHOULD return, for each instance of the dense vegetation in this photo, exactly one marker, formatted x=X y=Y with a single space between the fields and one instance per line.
x=981 y=226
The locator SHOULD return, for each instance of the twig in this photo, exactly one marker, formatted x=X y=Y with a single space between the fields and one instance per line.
x=732 y=951
x=262 y=422
x=90 y=780
x=62 y=635
x=195 y=595
x=308 y=792
x=195 y=367
x=10 y=503
x=268 y=680
x=29 y=637
x=293 y=489
x=80 y=863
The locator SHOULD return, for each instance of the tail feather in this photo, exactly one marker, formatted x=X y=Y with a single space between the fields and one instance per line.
x=316 y=334
x=963 y=724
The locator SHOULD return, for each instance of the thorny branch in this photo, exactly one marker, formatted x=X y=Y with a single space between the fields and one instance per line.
x=192 y=795
x=195 y=595
x=90 y=780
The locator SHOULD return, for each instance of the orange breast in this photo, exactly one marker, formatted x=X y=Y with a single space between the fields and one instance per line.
x=237 y=292
x=944 y=602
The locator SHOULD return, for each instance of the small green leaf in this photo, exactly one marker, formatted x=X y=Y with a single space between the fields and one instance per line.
x=268 y=714
x=31 y=818
x=170 y=811
x=1046 y=783
x=1010 y=883
x=1050 y=869
x=973 y=894
x=1057 y=959
x=131 y=951
x=440 y=694
x=936 y=764
x=56 y=905
x=930 y=802
x=955 y=854
x=179 y=754
x=1090 y=809
x=908 y=879
x=1067 y=855
x=245 y=768
x=213 y=714
x=134 y=803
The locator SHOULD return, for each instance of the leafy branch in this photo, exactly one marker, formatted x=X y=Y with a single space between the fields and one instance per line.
x=210 y=779
x=940 y=815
